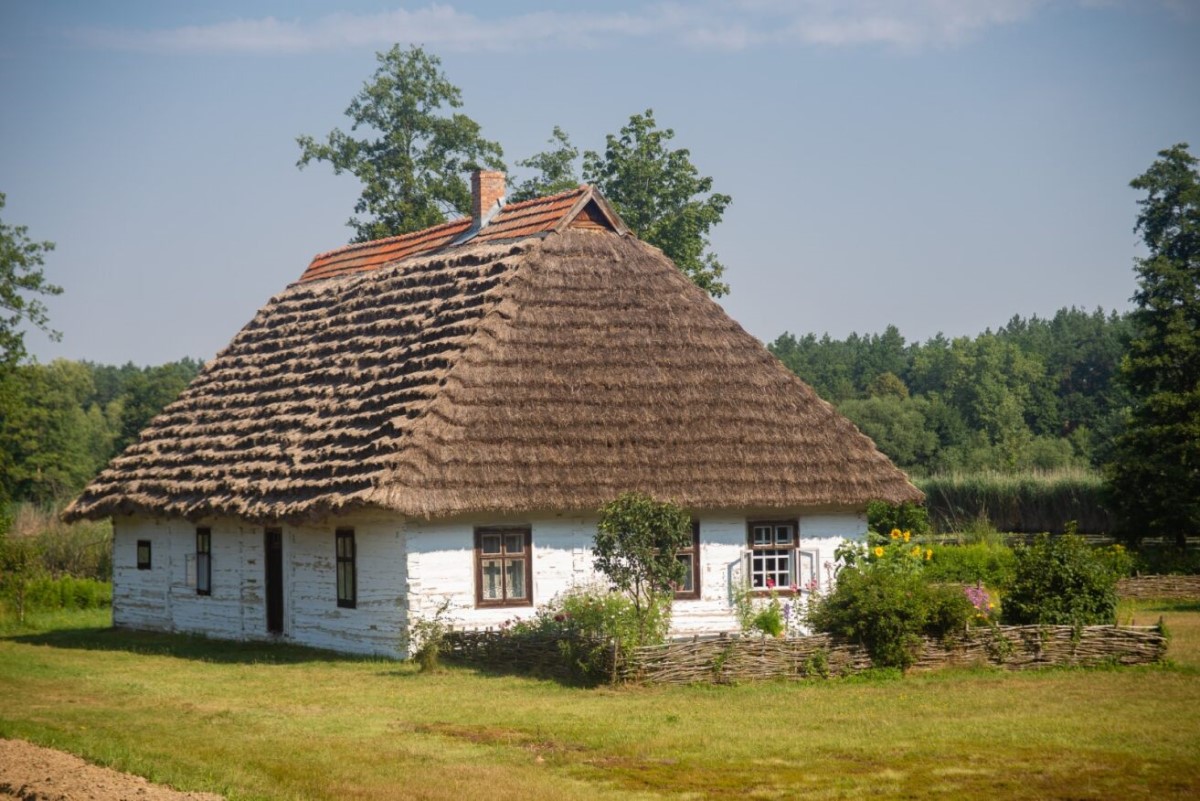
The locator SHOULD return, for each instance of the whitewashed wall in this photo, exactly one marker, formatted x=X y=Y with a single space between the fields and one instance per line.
x=404 y=568
x=441 y=565
x=311 y=613
x=140 y=599
x=165 y=598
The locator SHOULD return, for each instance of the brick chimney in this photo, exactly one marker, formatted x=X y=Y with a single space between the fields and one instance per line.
x=487 y=188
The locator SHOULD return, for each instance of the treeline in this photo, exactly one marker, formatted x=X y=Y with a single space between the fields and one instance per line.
x=61 y=422
x=1037 y=394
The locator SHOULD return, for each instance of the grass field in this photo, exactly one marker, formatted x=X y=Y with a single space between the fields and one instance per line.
x=255 y=721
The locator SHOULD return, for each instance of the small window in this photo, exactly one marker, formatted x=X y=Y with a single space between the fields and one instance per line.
x=347 y=581
x=690 y=556
x=143 y=555
x=503 y=567
x=203 y=561
x=772 y=554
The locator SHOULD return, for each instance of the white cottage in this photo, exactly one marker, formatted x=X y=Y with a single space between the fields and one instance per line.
x=440 y=414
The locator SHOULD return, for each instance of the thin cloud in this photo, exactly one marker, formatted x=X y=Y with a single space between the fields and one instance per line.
x=718 y=24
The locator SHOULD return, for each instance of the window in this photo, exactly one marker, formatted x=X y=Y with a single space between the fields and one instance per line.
x=503 y=567
x=690 y=556
x=347 y=589
x=143 y=555
x=203 y=561
x=772 y=554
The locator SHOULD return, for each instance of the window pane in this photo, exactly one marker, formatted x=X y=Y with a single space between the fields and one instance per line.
x=514 y=543
x=493 y=583
x=762 y=535
x=202 y=573
x=345 y=581
x=489 y=543
x=514 y=578
x=686 y=585
x=783 y=535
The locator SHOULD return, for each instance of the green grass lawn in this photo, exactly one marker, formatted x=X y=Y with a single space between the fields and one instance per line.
x=255 y=721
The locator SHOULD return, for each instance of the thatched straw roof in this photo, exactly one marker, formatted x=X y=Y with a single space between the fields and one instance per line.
x=550 y=370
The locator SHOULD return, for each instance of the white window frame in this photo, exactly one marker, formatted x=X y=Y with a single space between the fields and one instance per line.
x=802 y=564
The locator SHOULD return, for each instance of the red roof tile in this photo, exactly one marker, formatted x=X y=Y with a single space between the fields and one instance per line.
x=513 y=221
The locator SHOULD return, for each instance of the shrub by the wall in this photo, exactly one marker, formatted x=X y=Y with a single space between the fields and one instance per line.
x=888 y=612
x=589 y=620
x=1061 y=581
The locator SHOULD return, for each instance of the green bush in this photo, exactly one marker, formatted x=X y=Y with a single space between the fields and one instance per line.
x=764 y=618
x=590 y=619
x=1061 y=581
x=41 y=593
x=888 y=611
x=82 y=549
x=991 y=565
x=637 y=538
x=68 y=592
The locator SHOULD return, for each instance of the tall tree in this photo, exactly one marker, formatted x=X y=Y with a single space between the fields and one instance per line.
x=661 y=195
x=1155 y=475
x=412 y=158
x=21 y=281
x=54 y=444
x=554 y=170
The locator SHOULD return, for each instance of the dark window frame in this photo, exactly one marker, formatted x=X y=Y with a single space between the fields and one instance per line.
x=792 y=549
x=144 y=564
x=204 y=565
x=693 y=551
x=346 y=559
x=526 y=556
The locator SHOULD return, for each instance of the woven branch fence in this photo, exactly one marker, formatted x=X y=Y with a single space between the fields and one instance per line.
x=728 y=660
x=1160 y=587
x=524 y=654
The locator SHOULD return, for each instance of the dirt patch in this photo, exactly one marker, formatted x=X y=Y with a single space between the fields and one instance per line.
x=31 y=773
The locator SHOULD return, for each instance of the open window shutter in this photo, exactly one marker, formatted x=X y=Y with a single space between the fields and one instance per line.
x=808 y=562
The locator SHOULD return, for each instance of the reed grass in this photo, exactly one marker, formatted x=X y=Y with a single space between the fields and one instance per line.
x=1028 y=503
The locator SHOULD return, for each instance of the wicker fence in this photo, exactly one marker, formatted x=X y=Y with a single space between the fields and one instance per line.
x=729 y=660
x=1160 y=587
x=525 y=654
x=726 y=660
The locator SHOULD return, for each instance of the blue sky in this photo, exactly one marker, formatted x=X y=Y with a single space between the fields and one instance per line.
x=934 y=164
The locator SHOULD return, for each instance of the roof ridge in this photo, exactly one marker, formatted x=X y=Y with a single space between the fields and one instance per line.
x=541 y=212
x=387 y=240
